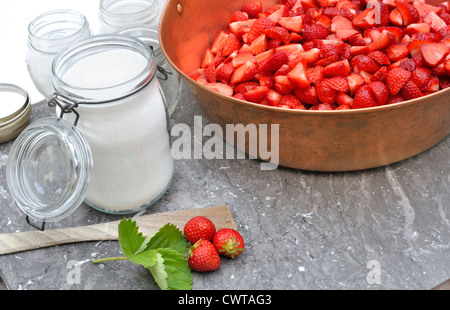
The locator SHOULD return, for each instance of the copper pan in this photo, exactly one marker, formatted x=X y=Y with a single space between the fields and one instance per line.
x=309 y=140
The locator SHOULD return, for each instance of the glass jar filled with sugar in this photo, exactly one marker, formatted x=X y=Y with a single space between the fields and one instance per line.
x=107 y=92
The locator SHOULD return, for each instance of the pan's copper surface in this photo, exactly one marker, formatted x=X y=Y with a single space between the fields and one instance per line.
x=309 y=140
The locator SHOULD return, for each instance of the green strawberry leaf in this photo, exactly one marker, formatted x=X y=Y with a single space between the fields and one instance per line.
x=130 y=238
x=169 y=236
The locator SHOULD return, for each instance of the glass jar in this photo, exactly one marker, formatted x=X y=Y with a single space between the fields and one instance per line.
x=47 y=35
x=106 y=87
x=169 y=79
x=119 y=14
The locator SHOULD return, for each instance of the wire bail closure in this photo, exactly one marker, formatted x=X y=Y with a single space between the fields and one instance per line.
x=66 y=105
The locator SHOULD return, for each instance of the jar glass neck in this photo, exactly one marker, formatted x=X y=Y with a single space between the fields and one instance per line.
x=96 y=90
x=52 y=31
x=123 y=13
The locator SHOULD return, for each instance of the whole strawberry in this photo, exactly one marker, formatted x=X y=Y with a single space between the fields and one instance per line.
x=199 y=227
x=228 y=242
x=203 y=256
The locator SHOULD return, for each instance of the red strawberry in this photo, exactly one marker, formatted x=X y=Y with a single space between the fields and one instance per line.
x=210 y=74
x=433 y=84
x=278 y=59
x=246 y=87
x=325 y=94
x=273 y=97
x=278 y=33
x=364 y=63
x=298 y=77
x=434 y=53
x=380 y=57
x=219 y=42
x=344 y=99
x=294 y=23
x=380 y=92
x=355 y=81
x=199 y=227
x=231 y=44
x=380 y=75
x=290 y=101
x=203 y=256
x=408 y=64
x=396 y=79
x=420 y=76
x=411 y=91
x=408 y=12
x=328 y=50
x=338 y=83
x=224 y=89
x=338 y=68
x=365 y=19
x=229 y=242
x=364 y=98
x=224 y=72
x=252 y=9
x=257 y=95
x=315 y=74
x=258 y=28
x=244 y=73
x=396 y=52
x=436 y=23
x=384 y=40
x=238 y=16
x=414 y=46
x=314 y=31
x=307 y=95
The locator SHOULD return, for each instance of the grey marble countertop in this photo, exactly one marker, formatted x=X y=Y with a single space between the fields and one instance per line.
x=383 y=228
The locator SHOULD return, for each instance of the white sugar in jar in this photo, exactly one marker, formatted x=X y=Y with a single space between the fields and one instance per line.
x=109 y=80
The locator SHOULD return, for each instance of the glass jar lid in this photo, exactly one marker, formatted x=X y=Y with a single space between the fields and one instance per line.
x=49 y=169
x=15 y=110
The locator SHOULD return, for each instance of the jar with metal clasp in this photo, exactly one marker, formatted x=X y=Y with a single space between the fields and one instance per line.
x=108 y=144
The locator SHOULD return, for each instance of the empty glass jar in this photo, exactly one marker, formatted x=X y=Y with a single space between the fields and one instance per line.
x=119 y=14
x=47 y=35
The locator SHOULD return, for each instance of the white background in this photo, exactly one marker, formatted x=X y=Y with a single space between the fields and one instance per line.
x=15 y=16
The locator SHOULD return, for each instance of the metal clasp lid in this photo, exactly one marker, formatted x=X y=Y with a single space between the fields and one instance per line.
x=66 y=105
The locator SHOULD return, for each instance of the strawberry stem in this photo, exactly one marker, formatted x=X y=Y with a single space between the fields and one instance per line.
x=101 y=260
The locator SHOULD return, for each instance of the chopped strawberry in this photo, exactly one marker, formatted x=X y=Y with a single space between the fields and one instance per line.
x=298 y=77
x=273 y=97
x=396 y=99
x=210 y=74
x=238 y=16
x=257 y=95
x=293 y=48
x=258 y=27
x=224 y=89
x=395 y=17
x=219 y=42
x=241 y=27
x=278 y=33
x=364 y=98
x=307 y=95
x=259 y=45
x=380 y=57
x=208 y=58
x=420 y=76
x=365 y=19
x=417 y=28
x=244 y=73
x=275 y=62
x=384 y=40
x=364 y=63
x=224 y=72
x=380 y=92
x=408 y=64
x=315 y=74
x=396 y=79
x=411 y=91
x=396 y=52
x=242 y=57
x=380 y=75
x=246 y=87
x=355 y=81
x=344 y=99
x=432 y=85
x=311 y=56
x=290 y=100
x=338 y=68
x=338 y=83
x=314 y=31
x=436 y=23
x=434 y=53
x=326 y=94
x=293 y=24
x=252 y=9
x=230 y=45
x=409 y=13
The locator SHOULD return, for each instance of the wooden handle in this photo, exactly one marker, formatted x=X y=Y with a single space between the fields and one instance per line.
x=148 y=224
